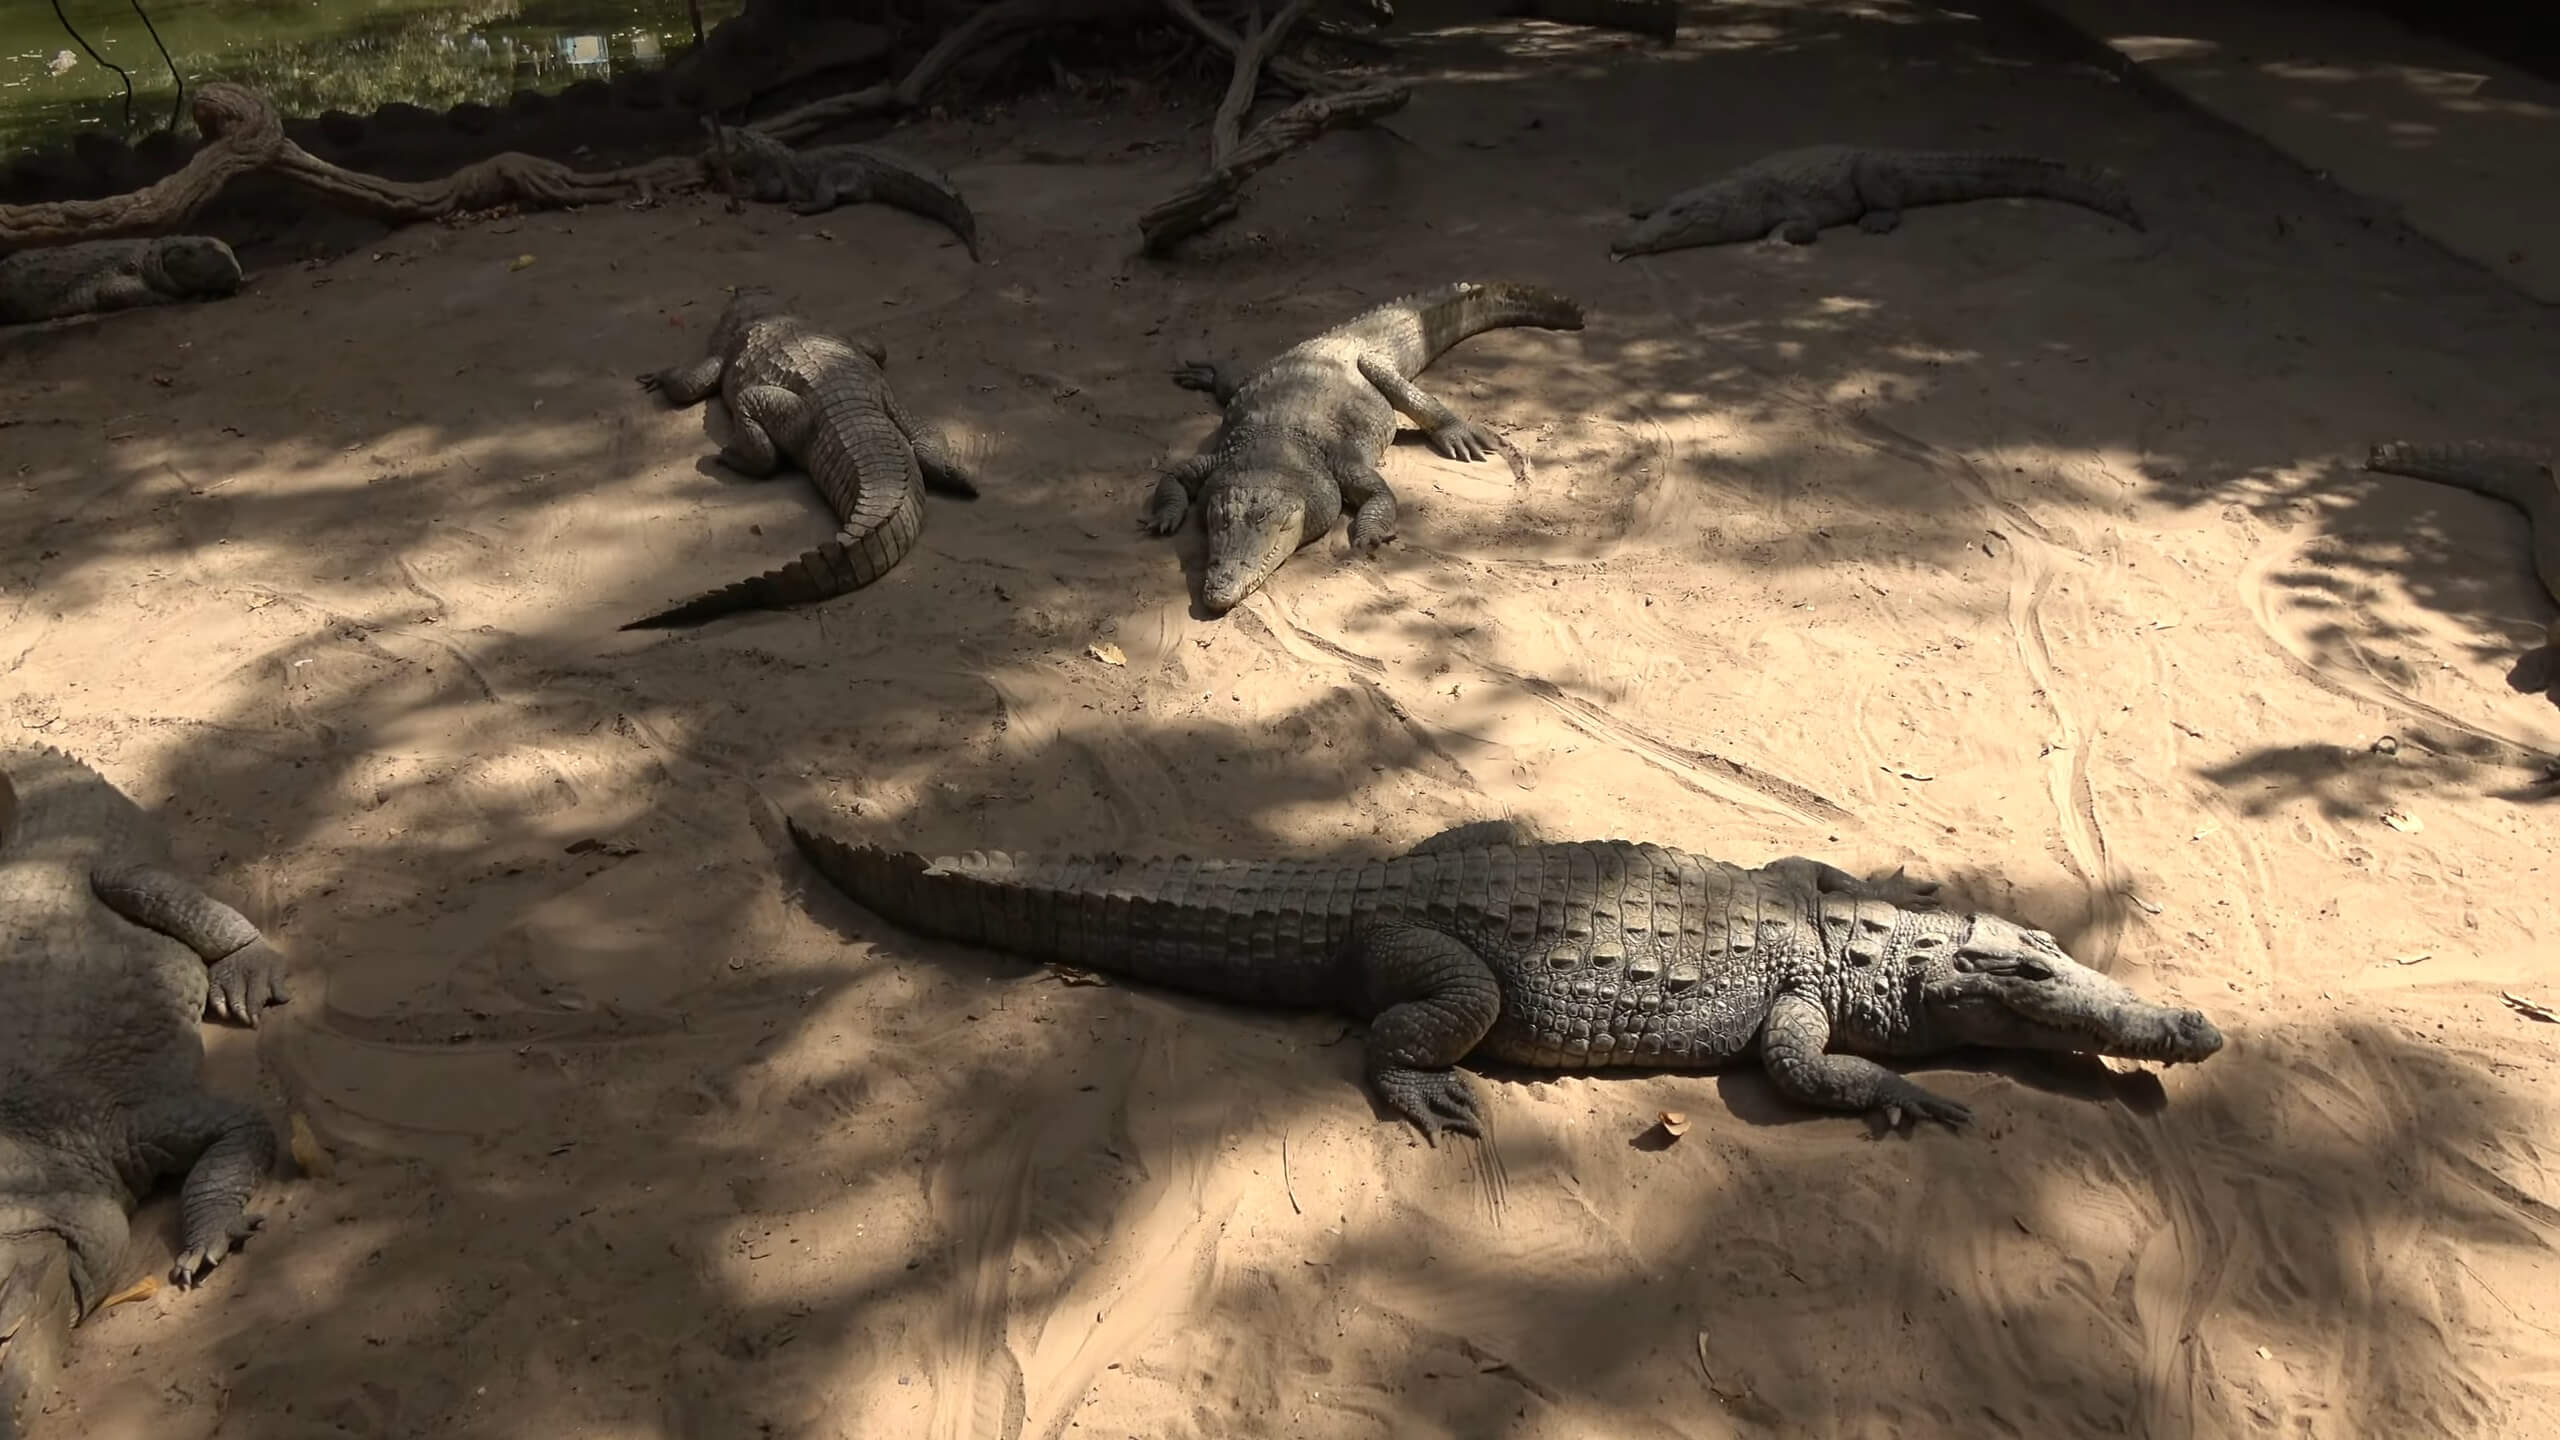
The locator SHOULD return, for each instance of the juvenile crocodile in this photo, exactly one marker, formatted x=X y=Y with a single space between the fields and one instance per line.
x=815 y=181
x=1303 y=436
x=2527 y=479
x=99 y=275
x=798 y=393
x=1796 y=194
x=1557 y=957
x=108 y=960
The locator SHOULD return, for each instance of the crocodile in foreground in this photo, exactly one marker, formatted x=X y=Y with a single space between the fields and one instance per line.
x=1796 y=194
x=1303 y=436
x=2527 y=479
x=108 y=961
x=99 y=275
x=1479 y=942
x=815 y=181
x=798 y=393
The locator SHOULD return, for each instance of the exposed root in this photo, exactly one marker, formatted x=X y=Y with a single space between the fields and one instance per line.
x=1212 y=198
x=242 y=134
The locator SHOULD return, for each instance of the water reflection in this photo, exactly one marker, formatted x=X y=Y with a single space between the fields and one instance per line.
x=328 y=54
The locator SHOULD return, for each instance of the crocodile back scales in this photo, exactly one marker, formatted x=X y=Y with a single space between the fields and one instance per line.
x=82 y=989
x=853 y=452
x=1607 y=952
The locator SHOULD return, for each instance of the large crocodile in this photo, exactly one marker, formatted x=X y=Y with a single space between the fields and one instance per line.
x=108 y=960
x=1303 y=435
x=2525 y=478
x=798 y=393
x=817 y=180
x=1796 y=194
x=100 y=275
x=1480 y=942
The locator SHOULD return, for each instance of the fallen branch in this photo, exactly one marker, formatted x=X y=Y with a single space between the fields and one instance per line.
x=1298 y=77
x=1212 y=198
x=242 y=134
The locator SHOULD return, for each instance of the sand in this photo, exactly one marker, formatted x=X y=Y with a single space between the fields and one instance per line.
x=2016 y=547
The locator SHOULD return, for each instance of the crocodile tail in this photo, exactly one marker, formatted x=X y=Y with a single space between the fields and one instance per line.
x=2521 y=477
x=1253 y=932
x=863 y=551
x=1457 y=312
x=1941 y=178
x=911 y=185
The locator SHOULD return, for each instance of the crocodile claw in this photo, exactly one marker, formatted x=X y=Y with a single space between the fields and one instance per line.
x=1438 y=1102
x=1459 y=440
x=244 y=982
x=199 y=1260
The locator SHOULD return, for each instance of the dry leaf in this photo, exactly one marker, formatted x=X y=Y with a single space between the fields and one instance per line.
x=1070 y=975
x=142 y=1289
x=2146 y=905
x=2265 y=1354
x=520 y=262
x=1674 y=1123
x=1107 y=653
x=2530 y=1009
x=2402 y=821
x=310 y=1156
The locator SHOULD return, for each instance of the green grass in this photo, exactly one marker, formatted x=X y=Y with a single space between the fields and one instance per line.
x=311 y=55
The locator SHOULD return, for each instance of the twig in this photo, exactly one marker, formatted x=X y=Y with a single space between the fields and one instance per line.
x=179 y=100
x=1227 y=131
x=101 y=59
x=988 y=24
x=1286 y=1188
x=1297 y=77
x=1212 y=197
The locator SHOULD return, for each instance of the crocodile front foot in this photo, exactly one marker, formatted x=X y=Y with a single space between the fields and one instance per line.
x=201 y=1256
x=244 y=982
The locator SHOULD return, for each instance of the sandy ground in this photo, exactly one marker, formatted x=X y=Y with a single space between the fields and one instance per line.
x=2015 y=546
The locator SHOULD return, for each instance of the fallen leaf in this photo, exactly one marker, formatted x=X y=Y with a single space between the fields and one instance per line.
x=2402 y=821
x=2531 y=1009
x=142 y=1289
x=593 y=845
x=2146 y=905
x=2265 y=1354
x=310 y=1156
x=1107 y=653
x=1070 y=975
x=825 y=234
x=520 y=262
x=1674 y=1123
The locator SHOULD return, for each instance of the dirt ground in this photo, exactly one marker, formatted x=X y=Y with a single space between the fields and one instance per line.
x=2015 y=546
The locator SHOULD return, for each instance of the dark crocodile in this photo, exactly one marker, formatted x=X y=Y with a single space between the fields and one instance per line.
x=2526 y=478
x=108 y=961
x=814 y=181
x=1796 y=194
x=1479 y=942
x=1303 y=436
x=798 y=393
x=100 y=275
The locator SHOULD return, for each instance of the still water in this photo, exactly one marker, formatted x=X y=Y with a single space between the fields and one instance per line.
x=314 y=55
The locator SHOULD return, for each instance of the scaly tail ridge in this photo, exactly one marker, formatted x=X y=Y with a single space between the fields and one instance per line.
x=911 y=185
x=1941 y=178
x=857 y=556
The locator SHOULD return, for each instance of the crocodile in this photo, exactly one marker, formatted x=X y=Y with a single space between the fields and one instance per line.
x=815 y=181
x=1796 y=194
x=2526 y=478
x=108 y=960
x=1483 y=942
x=94 y=276
x=1302 y=437
x=796 y=392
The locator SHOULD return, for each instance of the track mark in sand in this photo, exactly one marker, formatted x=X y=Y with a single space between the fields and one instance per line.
x=1700 y=770
x=1159 y=1262
x=2067 y=769
x=977 y=1381
x=2259 y=596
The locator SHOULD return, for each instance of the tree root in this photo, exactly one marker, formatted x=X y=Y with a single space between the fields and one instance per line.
x=1212 y=198
x=242 y=134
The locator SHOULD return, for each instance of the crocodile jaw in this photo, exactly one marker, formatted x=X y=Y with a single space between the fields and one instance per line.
x=1252 y=533
x=2010 y=988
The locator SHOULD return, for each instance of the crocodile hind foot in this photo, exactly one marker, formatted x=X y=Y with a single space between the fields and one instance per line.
x=1438 y=1102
